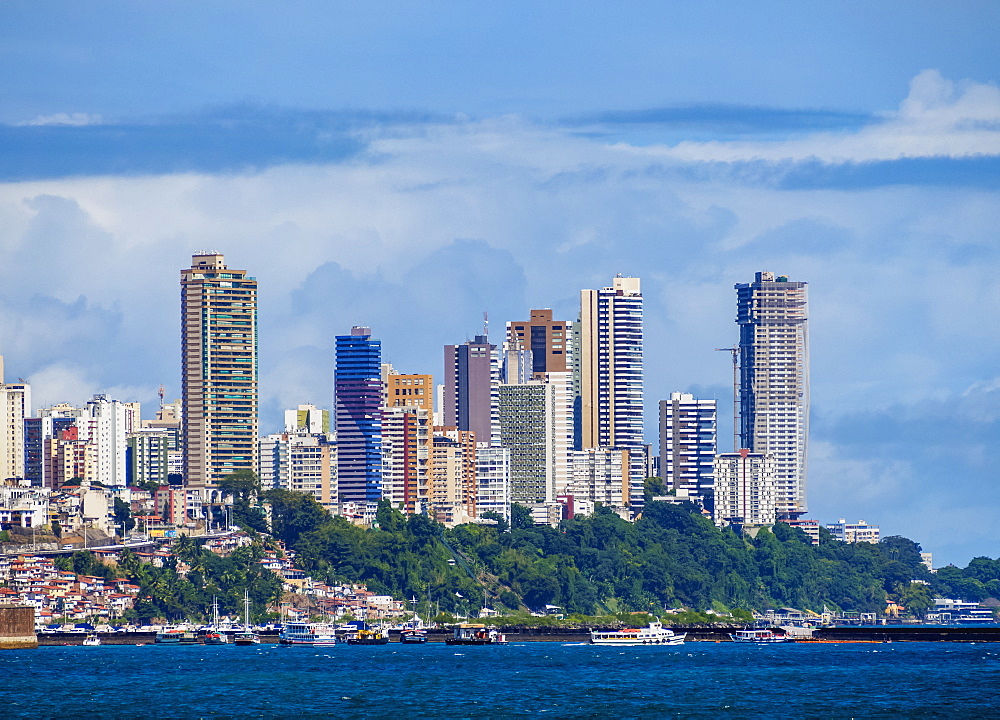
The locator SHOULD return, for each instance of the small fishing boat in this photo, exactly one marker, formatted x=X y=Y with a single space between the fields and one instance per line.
x=92 y=640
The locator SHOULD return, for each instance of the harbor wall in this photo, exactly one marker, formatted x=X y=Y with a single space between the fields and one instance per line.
x=17 y=627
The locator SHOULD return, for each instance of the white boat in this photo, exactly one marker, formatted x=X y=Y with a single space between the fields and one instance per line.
x=759 y=637
x=304 y=633
x=655 y=634
x=214 y=636
x=92 y=640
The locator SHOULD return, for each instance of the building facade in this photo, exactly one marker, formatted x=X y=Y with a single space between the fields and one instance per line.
x=15 y=406
x=358 y=416
x=745 y=489
x=608 y=361
x=219 y=424
x=774 y=380
x=471 y=377
x=549 y=341
x=688 y=445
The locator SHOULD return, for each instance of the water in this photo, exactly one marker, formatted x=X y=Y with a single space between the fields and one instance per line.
x=549 y=680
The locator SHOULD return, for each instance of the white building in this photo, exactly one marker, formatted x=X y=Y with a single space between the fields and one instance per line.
x=536 y=425
x=688 y=444
x=492 y=480
x=15 y=406
x=854 y=532
x=598 y=477
x=609 y=365
x=774 y=381
x=745 y=489
x=107 y=425
x=20 y=506
x=301 y=462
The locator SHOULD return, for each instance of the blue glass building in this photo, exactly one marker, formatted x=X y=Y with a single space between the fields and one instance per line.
x=357 y=389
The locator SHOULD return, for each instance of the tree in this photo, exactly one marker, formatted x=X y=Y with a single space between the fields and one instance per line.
x=123 y=515
x=520 y=517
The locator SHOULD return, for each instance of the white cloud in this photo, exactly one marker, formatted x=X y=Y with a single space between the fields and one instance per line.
x=78 y=119
x=937 y=119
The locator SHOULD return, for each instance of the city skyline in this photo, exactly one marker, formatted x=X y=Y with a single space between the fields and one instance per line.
x=418 y=172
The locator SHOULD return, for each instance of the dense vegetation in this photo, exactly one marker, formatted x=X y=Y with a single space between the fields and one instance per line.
x=671 y=557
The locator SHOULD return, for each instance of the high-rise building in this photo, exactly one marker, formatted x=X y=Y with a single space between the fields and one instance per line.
x=109 y=422
x=774 y=381
x=548 y=340
x=407 y=437
x=688 y=444
x=219 y=425
x=536 y=425
x=493 y=480
x=599 y=477
x=453 y=492
x=15 y=406
x=471 y=376
x=408 y=390
x=745 y=489
x=608 y=364
x=300 y=461
x=358 y=395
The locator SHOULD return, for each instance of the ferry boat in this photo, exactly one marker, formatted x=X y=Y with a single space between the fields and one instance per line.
x=92 y=640
x=655 y=634
x=476 y=634
x=304 y=633
x=758 y=636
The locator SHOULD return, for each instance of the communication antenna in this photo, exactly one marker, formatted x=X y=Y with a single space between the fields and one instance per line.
x=736 y=394
x=162 y=391
x=486 y=325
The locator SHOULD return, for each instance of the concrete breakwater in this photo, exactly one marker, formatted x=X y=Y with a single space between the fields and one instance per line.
x=17 y=627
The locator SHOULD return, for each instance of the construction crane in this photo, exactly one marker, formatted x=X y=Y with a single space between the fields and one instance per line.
x=736 y=394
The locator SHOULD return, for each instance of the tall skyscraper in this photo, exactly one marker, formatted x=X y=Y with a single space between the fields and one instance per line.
x=357 y=388
x=774 y=381
x=471 y=376
x=550 y=341
x=688 y=444
x=608 y=364
x=15 y=406
x=219 y=425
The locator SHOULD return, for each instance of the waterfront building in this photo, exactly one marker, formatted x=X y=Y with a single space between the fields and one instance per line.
x=774 y=381
x=358 y=417
x=688 y=445
x=219 y=424
x=471 y=377
x=608 y=362
x=745 y=489
x=549 y=341
x=854 y=532
x=15 y=406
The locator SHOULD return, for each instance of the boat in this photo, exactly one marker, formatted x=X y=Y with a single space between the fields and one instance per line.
x=246 y=636
x=476 y=634
x=214 y=636
x=169 y=636
x=758 y=636
x=92 y=640
x=413 y=637
x=367 y=635
x=654 y=634
x=305 y=633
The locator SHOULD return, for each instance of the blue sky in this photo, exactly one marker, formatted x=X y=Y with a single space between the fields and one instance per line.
x=409 y=167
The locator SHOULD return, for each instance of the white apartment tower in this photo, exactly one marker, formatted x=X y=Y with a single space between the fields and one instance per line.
x=688 y=443
x=15 y=406
x=745 y=489
x=774 y=381
x=608 y=363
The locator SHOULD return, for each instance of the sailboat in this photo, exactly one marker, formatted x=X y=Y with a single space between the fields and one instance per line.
x=246 y=636
x=214 y=636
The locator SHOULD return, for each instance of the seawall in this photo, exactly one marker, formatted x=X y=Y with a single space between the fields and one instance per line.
x=17 y=627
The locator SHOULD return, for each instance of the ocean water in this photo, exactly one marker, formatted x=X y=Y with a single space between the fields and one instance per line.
x=547 y=680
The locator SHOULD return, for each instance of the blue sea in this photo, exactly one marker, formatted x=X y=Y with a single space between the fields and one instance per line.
x=547 y=680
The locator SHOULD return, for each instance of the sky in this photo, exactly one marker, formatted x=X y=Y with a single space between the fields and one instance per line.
x=410 y=166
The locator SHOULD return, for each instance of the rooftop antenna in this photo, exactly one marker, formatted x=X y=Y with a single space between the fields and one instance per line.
x=486 y=325
x=736 y=394
x=161 y=392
